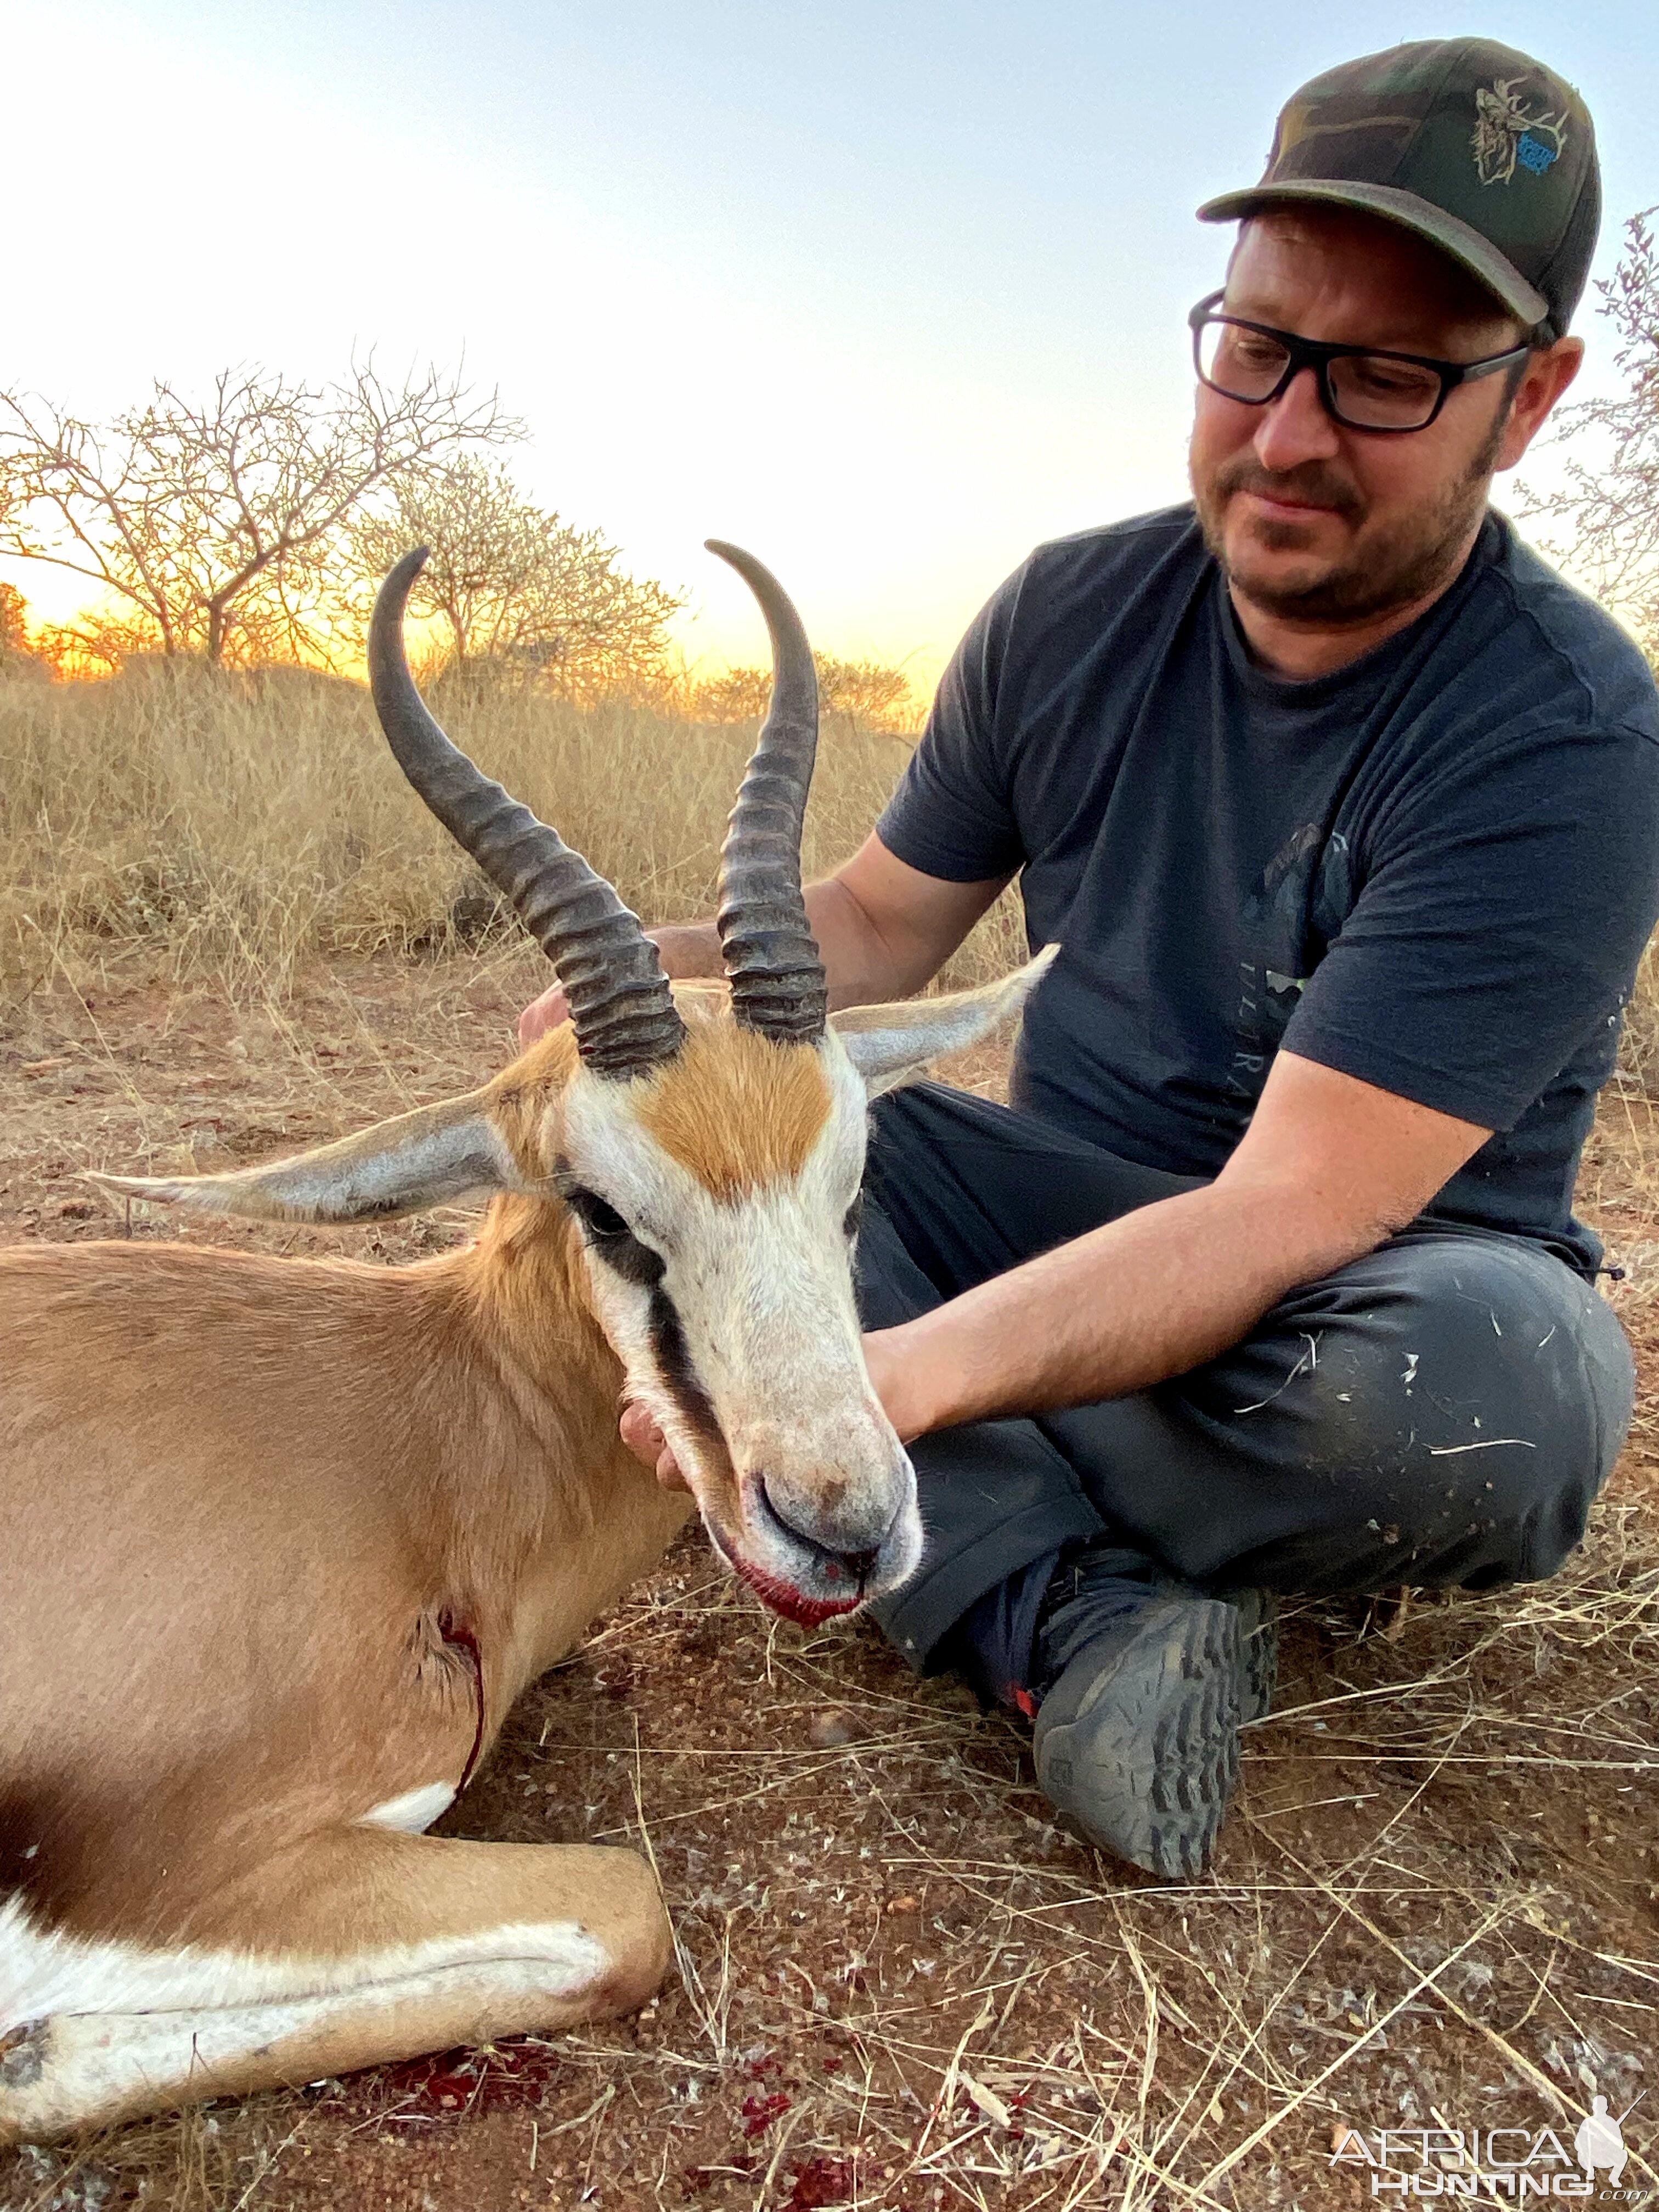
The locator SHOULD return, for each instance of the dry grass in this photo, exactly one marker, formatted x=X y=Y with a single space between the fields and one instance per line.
x=211 y=826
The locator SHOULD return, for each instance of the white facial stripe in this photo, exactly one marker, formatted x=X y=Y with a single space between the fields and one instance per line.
x=789 y=1229
x=608 y=1150
x=764 y=1290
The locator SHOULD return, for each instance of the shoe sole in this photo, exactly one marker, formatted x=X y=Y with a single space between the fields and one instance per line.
x=1140 y=1758
x=1258 y=1628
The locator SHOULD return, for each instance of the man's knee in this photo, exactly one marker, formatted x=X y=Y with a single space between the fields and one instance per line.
x=1487 y=1382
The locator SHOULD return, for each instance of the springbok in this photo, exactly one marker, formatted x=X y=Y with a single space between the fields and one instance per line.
x=281 y=1540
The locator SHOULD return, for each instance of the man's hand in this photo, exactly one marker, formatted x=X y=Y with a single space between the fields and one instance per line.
x=892 y=1372
x=543 y=1014
x=652 y=1449
x=647 y=1444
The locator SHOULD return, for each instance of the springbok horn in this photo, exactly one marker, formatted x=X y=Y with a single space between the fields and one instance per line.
x=625 y=1018
x=771 y=955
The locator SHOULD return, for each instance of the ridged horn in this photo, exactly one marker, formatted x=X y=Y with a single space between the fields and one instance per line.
x=624 y=1016
x=771 y=955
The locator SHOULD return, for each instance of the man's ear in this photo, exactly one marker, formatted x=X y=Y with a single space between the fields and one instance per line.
x=1545 y=378
x=430 y=1158
x=887 y=1045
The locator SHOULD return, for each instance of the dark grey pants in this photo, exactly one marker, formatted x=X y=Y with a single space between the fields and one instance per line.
x=1443 y=1411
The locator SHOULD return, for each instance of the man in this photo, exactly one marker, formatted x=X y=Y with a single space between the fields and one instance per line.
x=1345 y=810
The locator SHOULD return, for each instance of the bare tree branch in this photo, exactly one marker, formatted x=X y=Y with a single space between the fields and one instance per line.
x=212 y=526
x=516 y=589
x=1610 y=511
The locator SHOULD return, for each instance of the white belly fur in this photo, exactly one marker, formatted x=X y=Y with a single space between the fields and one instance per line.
x=414 y=1811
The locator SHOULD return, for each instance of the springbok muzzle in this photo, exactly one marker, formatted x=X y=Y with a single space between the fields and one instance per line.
x=813 y=1554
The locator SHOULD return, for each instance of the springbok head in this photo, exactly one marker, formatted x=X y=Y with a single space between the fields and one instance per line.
x=708 y=1148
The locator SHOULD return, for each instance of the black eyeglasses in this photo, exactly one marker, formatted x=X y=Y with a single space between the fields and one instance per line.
x=1363 y=388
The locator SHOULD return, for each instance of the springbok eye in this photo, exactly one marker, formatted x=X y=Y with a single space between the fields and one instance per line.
x=596 y=1214
x=849 y=1227
x=609 y=1237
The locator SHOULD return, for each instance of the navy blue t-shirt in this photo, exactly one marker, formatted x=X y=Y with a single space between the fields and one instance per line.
x=1434 y=870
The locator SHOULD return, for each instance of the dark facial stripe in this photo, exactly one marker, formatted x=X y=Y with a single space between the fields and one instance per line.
x=680 y=1380
x=625 y=1254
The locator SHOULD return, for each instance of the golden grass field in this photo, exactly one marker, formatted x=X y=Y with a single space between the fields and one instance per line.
x=226 y=828
x=228 y=931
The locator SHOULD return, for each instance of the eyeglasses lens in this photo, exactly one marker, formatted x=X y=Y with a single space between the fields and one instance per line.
x=1380 y=394
x=1241 y=363
x=1370 y=392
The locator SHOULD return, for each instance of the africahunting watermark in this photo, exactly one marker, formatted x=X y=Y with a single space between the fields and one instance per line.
x=1506 y=2164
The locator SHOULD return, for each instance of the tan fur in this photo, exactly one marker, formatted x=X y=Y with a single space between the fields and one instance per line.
x=737 y=1110
x=232 y=1570
x=383 y=1886
x=466 y=1464
x=519 y=1098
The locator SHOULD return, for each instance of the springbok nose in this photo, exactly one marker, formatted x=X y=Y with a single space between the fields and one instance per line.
x=842 y=1542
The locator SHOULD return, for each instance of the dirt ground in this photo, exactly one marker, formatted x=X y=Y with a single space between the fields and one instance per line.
x=1435 y=1904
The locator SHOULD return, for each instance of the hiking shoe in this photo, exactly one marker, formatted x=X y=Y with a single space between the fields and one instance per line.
x=1142 y=1686
x=1258 y=1627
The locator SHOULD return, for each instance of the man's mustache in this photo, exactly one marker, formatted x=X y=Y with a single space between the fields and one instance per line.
x=1312 y=483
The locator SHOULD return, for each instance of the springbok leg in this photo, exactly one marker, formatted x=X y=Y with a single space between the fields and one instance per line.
x=357 y=1948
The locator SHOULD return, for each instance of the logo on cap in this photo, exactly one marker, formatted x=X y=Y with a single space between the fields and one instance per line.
x=1506 y=137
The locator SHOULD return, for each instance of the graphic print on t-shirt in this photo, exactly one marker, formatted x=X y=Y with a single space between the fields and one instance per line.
x=1295 y=908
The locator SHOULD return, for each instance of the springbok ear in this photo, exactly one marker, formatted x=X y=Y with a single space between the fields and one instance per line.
x=430 y=1158
x=888 y=1044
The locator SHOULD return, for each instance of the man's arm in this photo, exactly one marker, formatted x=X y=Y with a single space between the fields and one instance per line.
x=1329 y=1168
x=884 y=927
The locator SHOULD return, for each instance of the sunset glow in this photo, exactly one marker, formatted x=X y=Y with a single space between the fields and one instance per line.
x=888 y=296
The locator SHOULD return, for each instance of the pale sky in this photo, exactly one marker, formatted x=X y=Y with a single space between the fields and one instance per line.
x=887 y=293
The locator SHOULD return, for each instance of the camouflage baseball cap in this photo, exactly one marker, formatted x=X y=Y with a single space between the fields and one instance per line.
x=1477 y=147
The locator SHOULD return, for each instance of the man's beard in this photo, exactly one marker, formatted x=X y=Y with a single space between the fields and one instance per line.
x=1410 y=560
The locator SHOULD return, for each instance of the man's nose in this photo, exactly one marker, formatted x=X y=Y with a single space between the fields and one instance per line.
x=1295 y=428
